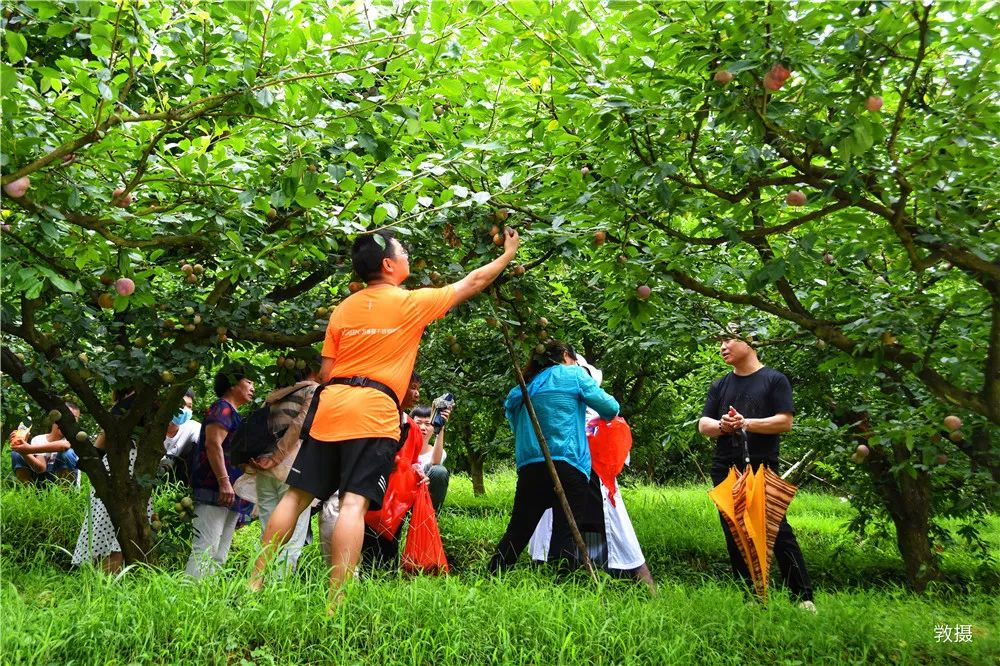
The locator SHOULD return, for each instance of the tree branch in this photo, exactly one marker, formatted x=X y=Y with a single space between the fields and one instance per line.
x=936 y=383
x=766 y=254
x=263 y=42
x=34 y=250
x=746 y=235
x=289 y=292
x=991 y=374
x=44 y=347
x=97 y=224
x=275 y=339
x=897 y=123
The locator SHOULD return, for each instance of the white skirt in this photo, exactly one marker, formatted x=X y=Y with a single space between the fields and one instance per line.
x=624 y=551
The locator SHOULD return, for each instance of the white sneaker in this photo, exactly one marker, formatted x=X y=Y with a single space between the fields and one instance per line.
x=808 y=606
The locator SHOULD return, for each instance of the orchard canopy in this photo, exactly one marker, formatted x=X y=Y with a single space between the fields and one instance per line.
x=830 y=167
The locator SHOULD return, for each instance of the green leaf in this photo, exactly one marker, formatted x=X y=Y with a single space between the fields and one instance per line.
x=409 y=201
x=381 y=212
x=8 y=79
x=863 y=137
x=59 y=282
x=59 y=30
x=264 y=97
x=17 y=45
x=308 y=200
x=525 y=7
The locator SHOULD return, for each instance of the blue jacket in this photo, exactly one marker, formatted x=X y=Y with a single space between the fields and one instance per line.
x=560 y=395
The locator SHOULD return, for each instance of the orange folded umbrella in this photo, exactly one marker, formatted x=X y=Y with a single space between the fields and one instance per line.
x=753 y=506
x=724 y=499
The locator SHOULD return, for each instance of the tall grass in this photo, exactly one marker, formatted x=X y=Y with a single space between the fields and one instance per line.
x=530 y=615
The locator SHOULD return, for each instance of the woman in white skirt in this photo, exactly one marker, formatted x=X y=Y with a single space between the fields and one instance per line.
x=625 y=556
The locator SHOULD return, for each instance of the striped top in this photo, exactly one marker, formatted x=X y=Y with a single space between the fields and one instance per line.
x=286 y=403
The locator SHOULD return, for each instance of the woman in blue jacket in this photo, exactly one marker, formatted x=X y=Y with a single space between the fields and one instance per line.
x=560 y=392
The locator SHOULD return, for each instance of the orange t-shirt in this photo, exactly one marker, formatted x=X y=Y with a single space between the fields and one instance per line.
x=374 y=333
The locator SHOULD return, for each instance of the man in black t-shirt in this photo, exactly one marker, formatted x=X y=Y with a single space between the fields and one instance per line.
x=753 y=403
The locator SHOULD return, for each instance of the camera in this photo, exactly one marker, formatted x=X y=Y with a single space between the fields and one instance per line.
x=446 y=401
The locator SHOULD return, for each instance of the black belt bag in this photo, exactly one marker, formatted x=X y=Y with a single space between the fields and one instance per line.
x=363 y=382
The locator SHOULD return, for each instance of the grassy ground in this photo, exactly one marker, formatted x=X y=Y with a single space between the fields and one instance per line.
x=53 y=615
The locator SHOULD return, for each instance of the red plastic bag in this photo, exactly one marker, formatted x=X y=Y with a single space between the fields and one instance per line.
x=399 y=495
x=610 y=443
x=424 y=551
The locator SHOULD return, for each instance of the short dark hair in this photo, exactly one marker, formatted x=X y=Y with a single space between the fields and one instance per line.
x=415 y=378
x=421 y=411
x=368 y=252
x=227 y=378
x=553 y=355
x=189 y=394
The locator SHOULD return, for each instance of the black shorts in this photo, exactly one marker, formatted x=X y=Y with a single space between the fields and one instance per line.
x=359 y=466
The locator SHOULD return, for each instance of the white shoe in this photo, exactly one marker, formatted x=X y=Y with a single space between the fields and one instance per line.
x=808 y=606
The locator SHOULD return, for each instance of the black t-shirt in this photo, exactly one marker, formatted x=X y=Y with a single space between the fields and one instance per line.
x=762 y=394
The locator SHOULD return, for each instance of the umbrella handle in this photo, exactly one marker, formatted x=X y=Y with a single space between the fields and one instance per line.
x=746 y=448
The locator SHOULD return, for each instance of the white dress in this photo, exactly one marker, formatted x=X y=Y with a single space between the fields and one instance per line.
x=97 y=535
x=624 y=551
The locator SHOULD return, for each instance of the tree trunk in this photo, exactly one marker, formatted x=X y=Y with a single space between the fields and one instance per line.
x=476 y=472
x=907 y=499
x=128 y=513
x=126 y=499
x=915 y=547
x=476 y=459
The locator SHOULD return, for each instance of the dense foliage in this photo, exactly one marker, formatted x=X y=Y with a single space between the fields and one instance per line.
x=827 y=167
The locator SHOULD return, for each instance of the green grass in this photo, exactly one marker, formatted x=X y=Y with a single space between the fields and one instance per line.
x=146 y=615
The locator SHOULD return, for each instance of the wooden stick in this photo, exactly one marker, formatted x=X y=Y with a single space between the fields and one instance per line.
x=580 y=544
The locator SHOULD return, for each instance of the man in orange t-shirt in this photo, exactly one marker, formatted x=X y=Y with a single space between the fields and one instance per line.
x=369 y=352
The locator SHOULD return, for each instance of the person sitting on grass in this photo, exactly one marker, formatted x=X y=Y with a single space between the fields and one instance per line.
x=48 y=458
